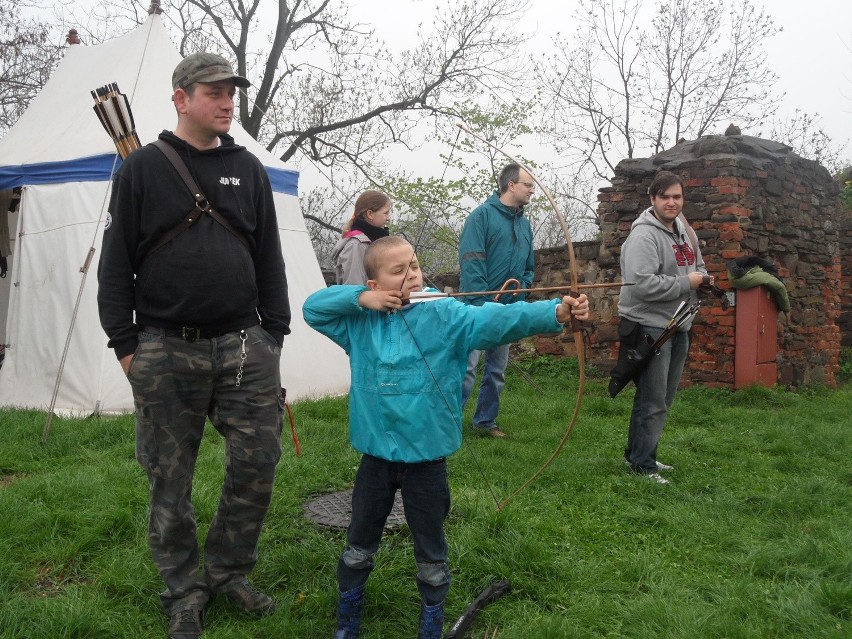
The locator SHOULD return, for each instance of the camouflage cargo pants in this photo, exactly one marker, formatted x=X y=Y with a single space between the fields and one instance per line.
x=176 y=385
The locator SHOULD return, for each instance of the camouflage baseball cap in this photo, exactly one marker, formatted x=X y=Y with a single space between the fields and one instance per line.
x=205 y=67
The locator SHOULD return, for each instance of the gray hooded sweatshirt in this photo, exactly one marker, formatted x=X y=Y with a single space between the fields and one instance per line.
x=659 y=261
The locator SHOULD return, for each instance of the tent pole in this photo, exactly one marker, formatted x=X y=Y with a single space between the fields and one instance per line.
x=85 y=271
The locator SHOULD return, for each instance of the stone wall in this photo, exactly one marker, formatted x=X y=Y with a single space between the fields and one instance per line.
x=845 y=321
x=744 y=196
x=747 y=196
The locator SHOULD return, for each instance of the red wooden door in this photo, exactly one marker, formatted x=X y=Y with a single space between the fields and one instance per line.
x=756 y=338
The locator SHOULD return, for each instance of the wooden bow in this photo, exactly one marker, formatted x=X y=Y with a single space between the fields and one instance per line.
x=576 y=328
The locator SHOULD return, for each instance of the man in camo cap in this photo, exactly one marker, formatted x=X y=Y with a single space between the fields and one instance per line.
x=196 y=312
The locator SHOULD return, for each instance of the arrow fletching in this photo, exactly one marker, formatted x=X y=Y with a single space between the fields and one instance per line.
x=113 y=110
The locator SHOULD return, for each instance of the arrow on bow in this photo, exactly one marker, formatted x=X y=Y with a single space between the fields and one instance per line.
x=417 y=296
x=576 y=327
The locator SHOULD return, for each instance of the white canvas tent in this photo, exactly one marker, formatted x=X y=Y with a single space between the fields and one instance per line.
x=60 y=156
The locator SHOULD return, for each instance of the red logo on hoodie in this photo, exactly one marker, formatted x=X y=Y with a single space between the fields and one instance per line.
x=683 y=254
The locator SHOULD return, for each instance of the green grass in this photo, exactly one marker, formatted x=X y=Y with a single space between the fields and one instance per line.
x=751 y=539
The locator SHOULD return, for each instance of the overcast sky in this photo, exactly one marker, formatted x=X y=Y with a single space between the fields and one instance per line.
x=812 y=55
x=813 y=59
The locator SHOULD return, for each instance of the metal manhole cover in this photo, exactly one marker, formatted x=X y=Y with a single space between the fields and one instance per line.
x=335 y=510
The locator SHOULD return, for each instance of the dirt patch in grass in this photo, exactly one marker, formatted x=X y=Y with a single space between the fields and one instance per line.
x=51 y=580
x=7 y=479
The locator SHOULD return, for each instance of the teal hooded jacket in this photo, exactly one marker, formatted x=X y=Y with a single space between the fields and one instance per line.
x=407 y=367
x=496 y=245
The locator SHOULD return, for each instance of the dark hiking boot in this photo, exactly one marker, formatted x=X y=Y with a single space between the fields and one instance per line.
x=431 y=621
x=349 y=607
x=246 y=598
x=187 y=623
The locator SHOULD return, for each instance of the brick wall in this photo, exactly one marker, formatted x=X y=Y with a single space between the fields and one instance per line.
x=744 y=196
x=845 y=320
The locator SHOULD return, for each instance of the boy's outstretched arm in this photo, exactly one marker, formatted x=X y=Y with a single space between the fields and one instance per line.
x=578 y=306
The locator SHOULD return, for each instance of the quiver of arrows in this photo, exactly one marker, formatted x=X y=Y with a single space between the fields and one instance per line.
x=113 y=110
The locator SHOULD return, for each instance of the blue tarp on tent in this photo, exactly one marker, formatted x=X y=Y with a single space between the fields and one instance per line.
x=99 y=168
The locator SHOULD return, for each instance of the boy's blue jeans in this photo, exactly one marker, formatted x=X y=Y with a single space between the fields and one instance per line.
x=655 y=392
x=493 y=380
x=426 y=501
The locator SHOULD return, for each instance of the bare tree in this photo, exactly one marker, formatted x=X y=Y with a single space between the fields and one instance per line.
x=712 y=70
x=28 y=55
x=431 y=212
x=325 y=87
x=803 y=133
x=328 y=87
x=621 y=88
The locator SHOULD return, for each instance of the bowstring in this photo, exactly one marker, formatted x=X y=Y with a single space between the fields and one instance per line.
x=476 y=462
x=459 y=424
x=580 y=344
x=408 y=327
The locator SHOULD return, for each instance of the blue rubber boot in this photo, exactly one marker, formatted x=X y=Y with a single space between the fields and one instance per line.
x=431 y=621
x=349 y=607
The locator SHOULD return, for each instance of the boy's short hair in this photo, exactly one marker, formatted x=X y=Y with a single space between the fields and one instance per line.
x=375 y=251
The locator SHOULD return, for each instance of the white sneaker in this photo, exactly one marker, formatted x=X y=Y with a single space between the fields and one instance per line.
x=657 y=477
x=660 y=466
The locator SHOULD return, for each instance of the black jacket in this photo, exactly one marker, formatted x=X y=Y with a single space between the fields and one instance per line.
x=204 y=278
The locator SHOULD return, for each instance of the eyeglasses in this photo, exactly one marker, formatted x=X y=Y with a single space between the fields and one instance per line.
x=529 y=185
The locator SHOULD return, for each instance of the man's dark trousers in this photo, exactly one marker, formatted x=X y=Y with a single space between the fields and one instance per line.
x=177 y=384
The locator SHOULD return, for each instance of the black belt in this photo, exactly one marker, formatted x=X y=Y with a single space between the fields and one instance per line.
x=188 y=333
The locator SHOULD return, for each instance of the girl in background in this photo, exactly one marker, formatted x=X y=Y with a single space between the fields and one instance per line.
x=368 y=223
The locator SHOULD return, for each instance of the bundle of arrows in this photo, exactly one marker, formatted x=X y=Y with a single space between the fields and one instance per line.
x=113 y=110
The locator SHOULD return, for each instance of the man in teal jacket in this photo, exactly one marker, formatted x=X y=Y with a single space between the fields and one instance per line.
x=496 y=245
x=407 y=363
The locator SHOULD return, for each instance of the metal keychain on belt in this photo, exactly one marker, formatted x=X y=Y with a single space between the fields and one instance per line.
x=243 y=338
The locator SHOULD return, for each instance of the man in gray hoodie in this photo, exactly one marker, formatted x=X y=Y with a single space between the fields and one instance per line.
x=664 y=261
